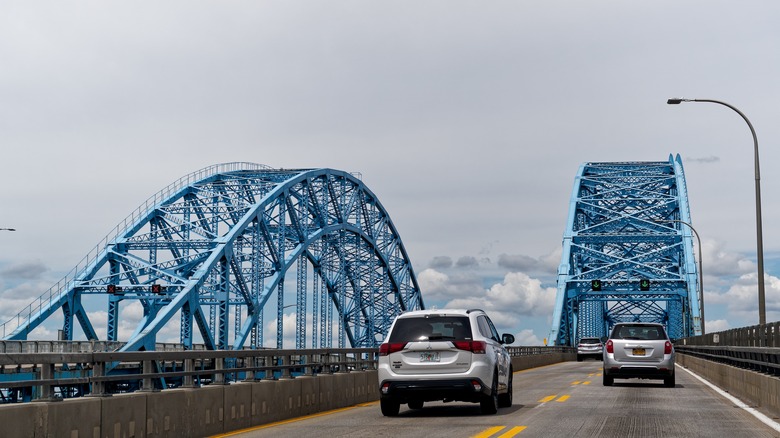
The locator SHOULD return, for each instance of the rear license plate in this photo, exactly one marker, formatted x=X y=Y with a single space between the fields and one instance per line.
x=429 y=357
x=638 y=352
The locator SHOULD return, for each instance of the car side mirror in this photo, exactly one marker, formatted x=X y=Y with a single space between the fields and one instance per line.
x=506 y=338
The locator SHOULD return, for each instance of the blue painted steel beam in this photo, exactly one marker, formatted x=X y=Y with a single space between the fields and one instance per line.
x=614 y=235
x=214 y=248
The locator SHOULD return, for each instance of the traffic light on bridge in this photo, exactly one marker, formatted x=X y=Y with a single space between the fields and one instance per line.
x=595 y=285
x=156 y=289
x=644 y=284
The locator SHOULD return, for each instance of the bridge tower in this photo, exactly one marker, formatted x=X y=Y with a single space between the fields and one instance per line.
x=627 y=256
x=222 y=251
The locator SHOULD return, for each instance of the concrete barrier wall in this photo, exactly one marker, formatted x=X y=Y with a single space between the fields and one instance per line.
x=755 y=389
x=520 y=363
x=205 y=411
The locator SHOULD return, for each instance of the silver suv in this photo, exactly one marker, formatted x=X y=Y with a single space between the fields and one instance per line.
x=445 y=354
x=638 y=350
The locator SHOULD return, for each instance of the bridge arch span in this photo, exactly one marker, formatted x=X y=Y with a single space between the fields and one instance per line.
x=226 y=248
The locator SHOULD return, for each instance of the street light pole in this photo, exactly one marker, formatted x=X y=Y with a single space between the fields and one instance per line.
x=759 y=236
x=701 y=269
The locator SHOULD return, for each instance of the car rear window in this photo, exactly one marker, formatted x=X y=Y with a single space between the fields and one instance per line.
x=590 y=341
x=431 y=328
x=640 y=332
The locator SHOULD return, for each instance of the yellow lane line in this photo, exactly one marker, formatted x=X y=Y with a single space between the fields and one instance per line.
x=563 y=398
x=291 y=420
x=487 y=432
x=512 y=432
x=548 y=398
x=576 y=383
x=587 y=382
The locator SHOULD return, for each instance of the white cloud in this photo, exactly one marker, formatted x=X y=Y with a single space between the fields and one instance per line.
x=741 y=299
x=506 y=302
x=527 y=338
x=436 y=286
x=717 y=325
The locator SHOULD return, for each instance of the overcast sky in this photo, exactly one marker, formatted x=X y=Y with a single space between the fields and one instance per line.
x=468 y=120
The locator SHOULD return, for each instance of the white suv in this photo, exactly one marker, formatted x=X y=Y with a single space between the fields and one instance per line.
x=445 y=354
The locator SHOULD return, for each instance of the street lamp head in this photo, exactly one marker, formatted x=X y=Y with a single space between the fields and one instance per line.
x=7 y=229
x=676 y=100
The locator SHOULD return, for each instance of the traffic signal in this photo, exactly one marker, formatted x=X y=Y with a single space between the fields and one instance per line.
x=595 y=285
x=644 y=284
x=156 y=289
x=113 y=289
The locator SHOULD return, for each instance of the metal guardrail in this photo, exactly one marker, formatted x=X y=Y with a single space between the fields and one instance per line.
x=767 y=335
x=50 y=372
x=756 y=347
x=764 y=360
x=155 y=370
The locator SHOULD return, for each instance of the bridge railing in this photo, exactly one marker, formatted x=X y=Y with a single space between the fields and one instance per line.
x=51 y=295
x=754 y=347
x=55 y=370
x=53 y=376
x=767 y=335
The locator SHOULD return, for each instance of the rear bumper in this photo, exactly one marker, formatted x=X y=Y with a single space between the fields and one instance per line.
x=658 y=370
x=432 y=390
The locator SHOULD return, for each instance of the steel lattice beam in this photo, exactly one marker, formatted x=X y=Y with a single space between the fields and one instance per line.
x=225 y=241
x=615 y=235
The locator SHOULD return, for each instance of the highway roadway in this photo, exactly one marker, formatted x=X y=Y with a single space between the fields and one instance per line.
x=561 y=400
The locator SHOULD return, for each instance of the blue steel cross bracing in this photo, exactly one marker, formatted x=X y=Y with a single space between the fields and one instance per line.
x=220 y=243
x=624 y=225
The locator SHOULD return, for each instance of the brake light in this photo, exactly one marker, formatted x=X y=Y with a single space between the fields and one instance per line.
x=610 y=347
x=668 y=348
x=476 y=347
x=388 y=348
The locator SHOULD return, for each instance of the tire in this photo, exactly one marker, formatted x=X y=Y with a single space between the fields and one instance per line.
x=489 y=403
x=607 y=380
x=389 y=407
x=579 y=358
x=417 y=404
x=505 y=400
x=669 y=381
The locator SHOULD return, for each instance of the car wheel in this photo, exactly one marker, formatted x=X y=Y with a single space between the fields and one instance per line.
x=389 y=407
x=505 y=400
x=579 y=358
x=669 y=381
x=607 y=380
x=489 y=403
x=415 y=404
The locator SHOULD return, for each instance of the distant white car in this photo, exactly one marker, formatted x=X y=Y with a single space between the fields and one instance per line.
x=445 y=354
x=638 y=350
x=589 y=347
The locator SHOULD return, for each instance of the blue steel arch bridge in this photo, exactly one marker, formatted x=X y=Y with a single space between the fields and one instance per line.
x=221 y=253
x=627 y=253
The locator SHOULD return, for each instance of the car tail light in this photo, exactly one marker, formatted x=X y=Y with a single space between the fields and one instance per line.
x=476 y=347
x=388 y=348
x=385 y=388
x=476 y=385
x=668 y=348
x=610 y=347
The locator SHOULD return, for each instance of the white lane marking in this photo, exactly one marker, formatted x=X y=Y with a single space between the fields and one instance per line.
x=763 y=418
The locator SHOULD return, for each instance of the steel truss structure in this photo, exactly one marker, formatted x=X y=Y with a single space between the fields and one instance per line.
x=624 y=234
x=212 y=251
